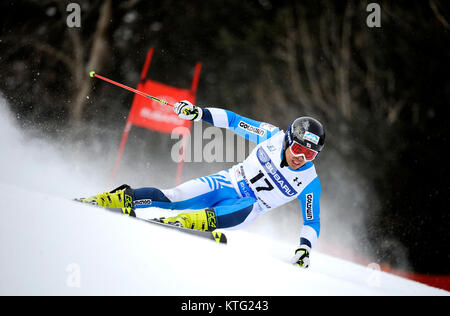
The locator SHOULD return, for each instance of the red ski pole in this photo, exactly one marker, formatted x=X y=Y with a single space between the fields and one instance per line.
x=93 y=74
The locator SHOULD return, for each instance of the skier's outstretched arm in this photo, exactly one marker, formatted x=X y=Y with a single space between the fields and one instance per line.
x=250 y=129
x=309 y=203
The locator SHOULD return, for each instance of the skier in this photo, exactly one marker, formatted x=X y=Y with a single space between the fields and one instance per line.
x=277 y=171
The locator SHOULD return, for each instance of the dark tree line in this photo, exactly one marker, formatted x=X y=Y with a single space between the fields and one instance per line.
x=382 y=92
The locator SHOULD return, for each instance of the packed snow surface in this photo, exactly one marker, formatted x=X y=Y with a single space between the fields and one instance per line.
x=55 y=246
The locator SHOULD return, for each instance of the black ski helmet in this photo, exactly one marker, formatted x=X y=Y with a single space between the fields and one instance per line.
x=307 y=131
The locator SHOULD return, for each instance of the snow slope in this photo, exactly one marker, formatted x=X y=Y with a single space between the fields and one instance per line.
x=54 y=246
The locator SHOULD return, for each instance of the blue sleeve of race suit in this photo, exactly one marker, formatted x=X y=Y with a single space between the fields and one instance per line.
x=310 y=205
x=252 y=130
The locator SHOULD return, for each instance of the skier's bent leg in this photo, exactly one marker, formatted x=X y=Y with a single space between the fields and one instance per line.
x=178 y=199
x=211 y=194
x=195 y=194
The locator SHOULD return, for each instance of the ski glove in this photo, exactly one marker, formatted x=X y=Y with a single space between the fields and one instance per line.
x=301 y=257
x=187 y=111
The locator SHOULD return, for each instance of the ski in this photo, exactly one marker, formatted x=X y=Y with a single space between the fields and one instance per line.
x=218 y=237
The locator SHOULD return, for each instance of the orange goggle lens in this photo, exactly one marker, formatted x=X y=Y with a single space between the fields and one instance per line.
x=300 y=150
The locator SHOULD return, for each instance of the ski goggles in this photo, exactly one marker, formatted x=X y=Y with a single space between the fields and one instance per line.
x=298 y=150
